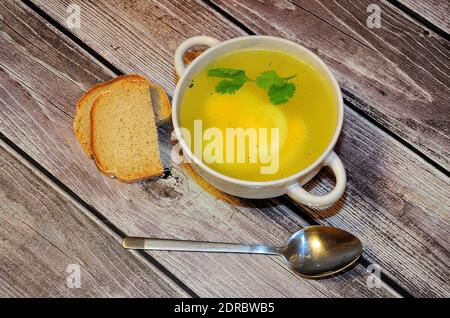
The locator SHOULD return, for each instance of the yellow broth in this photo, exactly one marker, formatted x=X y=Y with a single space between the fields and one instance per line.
x=306 y=123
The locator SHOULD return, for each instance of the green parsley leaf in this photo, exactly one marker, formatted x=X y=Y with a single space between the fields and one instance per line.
x=269 y=78
x=234 y=79
x=230 y=73
x=278 y=88
x=281 y=94
x=228 y=86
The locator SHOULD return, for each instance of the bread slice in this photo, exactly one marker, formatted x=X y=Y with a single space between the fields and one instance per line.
x=160 y=103
x=124 y=139
x=82 y=123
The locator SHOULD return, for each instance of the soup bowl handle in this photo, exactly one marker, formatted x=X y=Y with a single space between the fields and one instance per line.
x=300 y=195
x=180 y=68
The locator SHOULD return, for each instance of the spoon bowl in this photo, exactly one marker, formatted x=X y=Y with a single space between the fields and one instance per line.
x=318 y=251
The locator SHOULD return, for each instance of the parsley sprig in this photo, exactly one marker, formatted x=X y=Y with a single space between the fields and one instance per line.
x=278 y=88
x=232 y=82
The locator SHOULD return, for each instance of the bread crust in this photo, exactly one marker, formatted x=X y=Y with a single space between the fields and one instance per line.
x=79 y=133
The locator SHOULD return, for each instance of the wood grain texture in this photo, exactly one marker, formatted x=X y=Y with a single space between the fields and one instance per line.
x=42 y=232
x=37 y=114
x=398 y=75
x=435 y=11
x=396 y=202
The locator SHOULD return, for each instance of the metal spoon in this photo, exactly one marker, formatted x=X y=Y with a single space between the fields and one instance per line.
x=313 y=252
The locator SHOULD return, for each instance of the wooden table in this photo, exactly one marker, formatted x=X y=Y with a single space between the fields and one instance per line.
x=58 y=214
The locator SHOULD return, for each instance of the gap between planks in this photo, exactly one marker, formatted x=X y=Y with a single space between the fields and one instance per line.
x=90 y=212
x=420 y=19
x=95 y=216
x=387 y=282
x=348 y=97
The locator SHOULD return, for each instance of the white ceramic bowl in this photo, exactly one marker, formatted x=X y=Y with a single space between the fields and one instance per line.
x=292 y=185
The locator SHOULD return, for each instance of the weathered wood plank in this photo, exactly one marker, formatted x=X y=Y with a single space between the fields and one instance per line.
x=398 y=74
x=435 y=11
x=43 y=232
x=42 y=75
x=383 y=201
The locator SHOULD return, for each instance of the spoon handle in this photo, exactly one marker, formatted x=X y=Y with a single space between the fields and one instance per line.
x=141 y=243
